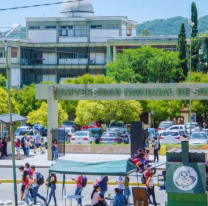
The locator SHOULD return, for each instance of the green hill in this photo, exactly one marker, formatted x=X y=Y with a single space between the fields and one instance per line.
x=171 y=26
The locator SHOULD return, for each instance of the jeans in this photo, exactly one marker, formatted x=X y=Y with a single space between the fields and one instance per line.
x=27 y=196
x=125 y=200
x=35 y=195
x=103 y=193
x=127 y=193
x=27 y=150
x=52 y=193
x=151 y=192
x=78 y=191
x=156 y=155
x=24 y=150
x=55 y=153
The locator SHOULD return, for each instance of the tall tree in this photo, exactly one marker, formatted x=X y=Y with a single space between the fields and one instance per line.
x=145 y=32
x=194 y=18
x=182 y=49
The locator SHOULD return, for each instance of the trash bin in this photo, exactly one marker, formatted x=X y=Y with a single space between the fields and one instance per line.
x=163 y=151
x=140 y=203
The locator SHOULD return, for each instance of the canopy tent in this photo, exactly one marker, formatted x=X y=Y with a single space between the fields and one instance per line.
x=111 y=168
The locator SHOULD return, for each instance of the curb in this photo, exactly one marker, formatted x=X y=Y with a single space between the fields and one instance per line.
x=89 y=183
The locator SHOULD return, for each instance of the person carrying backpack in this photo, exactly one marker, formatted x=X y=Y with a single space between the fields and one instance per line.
x=81 y=182
x=23 y=144
x=36 y=182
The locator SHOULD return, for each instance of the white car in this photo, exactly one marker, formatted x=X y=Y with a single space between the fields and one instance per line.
x=82 y=137
x=164 y=125
x=70 y=131
x=198 y=138
x=171 y=137
x=181 y=128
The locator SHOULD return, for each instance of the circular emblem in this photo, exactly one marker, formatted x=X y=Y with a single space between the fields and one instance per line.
x=185 y=178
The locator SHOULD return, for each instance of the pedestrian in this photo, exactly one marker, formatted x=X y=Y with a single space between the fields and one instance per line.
x=156 y=146
x=103 y=184
x=22 y=191
x=27 y=167
x=79 y=188
x=146 y=148
x=121 y=186
x=38 y=143
x=118 y=199
x=52 y=185
x=26 y=178
x=55 y=149
x=127 y=191
x=150 y=188
x=4 y=148
x=23 y=143
x=27 y=146
x=141 y=157
x=96 y=199
x=36 y=186
x=147 y=172
x=0 y=147
x=17 y=145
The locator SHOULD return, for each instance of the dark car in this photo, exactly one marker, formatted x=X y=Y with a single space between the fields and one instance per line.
x=97 y=133
x=69 y=124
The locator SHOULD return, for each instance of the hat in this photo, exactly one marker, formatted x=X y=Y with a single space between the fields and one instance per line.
x=148 y=166
x=26 y=134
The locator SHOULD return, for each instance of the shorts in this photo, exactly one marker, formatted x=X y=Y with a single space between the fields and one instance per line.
x=23 y=188
x=37 y=145
x=17 y=149
x=142 y=160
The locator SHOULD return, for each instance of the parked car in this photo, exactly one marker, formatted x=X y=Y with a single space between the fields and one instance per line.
x=124 y=133
x=37 y=126
x=111 y=137
x=205 y=130
x=93 y=124
x=164 y=125
x=30 y=133
x=25 y=128
x=17 y=132
x=193 y=128
x=117 y=125
x=181 y=128
x=171 y=137
x=70 y=131
x=69 y=124
x=97 y=133
x=83 y=137
x=62 y=135
x=198 y=138
x=153 y=133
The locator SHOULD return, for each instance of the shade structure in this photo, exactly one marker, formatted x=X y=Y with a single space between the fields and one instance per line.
x=110 y=168
x=5 y=118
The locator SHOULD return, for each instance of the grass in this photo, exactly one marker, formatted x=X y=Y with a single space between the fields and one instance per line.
x=179 y=145
x=104 y=144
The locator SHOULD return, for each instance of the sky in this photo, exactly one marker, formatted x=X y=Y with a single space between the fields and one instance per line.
x=138 y=10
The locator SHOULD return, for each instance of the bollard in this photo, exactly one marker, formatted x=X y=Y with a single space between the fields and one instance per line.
x=140 y=203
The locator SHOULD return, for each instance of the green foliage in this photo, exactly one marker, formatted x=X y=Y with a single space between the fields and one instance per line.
x=26 y=99
x=106 y=111
x=145 y=32
x=40 y=115
x=146 y=64
x=194 y=18
x=182 y=49
x=2 y=81
x=4 y=105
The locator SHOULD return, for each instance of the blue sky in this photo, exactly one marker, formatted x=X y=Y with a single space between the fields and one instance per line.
x=138 y=10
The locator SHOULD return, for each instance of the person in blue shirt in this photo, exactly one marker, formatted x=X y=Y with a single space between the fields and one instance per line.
x=118 y=199
x=103 y=185
x=38 y=143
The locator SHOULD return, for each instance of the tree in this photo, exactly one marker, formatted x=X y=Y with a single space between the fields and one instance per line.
x=4 y=103
x=40 y=115
x=106 y=111
x=2 y=81
x=194 y=18
x=182 y=49
x=145 y=32
x=146 y=64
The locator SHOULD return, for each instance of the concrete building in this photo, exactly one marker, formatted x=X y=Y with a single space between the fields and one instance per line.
x=73 y=44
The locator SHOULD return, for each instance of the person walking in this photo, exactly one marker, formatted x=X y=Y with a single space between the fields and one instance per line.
x=79 y=188
x=150 y=188
x=26 y=178
x=156 y=146
x=0 y=147
x=36 y=186
x=121 y=186
x=103 y=185
x=52 y=184
x=96 y=199
x=27 y=167
x=17 y=145
x=23 y=144
x=55 y=149
x=21 y=169
x=146 y=149
x=127 y=191
x=118 y=199
x=4 y=148
x=38 y=143
x=27 y=146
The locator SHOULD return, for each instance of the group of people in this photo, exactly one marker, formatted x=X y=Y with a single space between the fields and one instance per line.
x=31 y=181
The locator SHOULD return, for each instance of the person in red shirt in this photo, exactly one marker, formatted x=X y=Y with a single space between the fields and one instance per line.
x=79 y=188
x=147 y=172
x=17 y=145
x=26 y=178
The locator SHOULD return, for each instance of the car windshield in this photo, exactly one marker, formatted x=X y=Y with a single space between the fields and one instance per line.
x=26 y=132
x=192 y=126
x=18 y=131
x=67 y=130
x=198 y=136
x=116 y=124
x=95 y=132
x=109 y=135
x=79 y=134
x=165 y=125
x=170 y=133
x=68 y=123
x=151 y=131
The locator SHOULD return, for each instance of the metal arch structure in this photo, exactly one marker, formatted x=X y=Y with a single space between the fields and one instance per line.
x=170 y=91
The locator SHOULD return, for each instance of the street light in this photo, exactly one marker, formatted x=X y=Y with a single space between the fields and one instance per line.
x=191 y=27
x=15 y=27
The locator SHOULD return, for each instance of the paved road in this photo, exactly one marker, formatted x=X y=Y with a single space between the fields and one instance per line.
x=6 y=193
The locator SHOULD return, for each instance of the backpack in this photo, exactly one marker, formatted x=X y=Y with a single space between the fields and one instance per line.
x=40 y=179
x=84 y=181
x=143 y=179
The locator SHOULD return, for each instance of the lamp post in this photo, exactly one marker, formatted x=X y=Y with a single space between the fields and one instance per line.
x=191 y=26
x=14 y=27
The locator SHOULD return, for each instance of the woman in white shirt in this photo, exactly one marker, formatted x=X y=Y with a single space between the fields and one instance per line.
x=150 y=188
x=96 y=200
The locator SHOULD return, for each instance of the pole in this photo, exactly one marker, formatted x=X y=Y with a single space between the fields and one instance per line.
x=190 y=82
x=8 y=70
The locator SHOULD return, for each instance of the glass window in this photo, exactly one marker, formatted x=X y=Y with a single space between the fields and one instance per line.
x=109 y=135
x=112 y=26
x=198 y=136
x=34 y=27
x=79 y=134
x=96 y=26
x=50 y=27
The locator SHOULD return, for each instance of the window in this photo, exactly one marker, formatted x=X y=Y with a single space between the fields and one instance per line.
x=2 y=54
x=81 y=31
x=14 y=52
x=112 y=26
x=96 y=26
x=34 y=27
x=50 y=27
x=72 y=56
x=67 y=31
